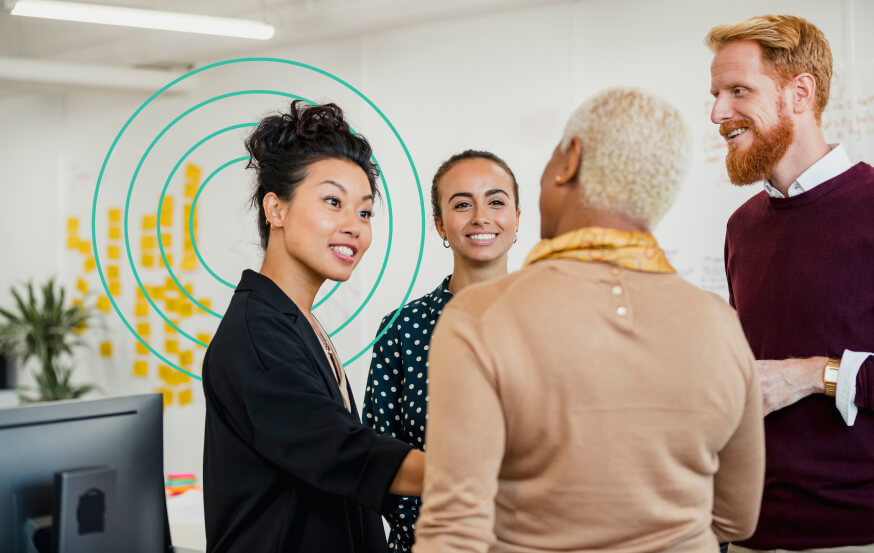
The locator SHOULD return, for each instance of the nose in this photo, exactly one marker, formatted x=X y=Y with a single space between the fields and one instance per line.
x=480 y=216
x=351 y=224
x=721 y=111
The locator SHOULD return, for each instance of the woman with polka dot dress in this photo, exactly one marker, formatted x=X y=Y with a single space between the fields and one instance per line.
x=475 y=200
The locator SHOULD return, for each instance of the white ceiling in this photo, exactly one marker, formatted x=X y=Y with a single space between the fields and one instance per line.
x=296 y=21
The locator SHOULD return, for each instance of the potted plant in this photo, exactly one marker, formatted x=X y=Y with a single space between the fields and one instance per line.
x=43 y=328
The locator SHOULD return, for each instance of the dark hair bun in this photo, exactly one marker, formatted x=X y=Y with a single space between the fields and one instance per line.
x=284 y=145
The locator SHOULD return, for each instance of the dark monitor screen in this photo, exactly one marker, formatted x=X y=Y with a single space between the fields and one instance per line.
x=94 y=467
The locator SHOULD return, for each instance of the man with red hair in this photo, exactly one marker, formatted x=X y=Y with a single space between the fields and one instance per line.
x=799 y=258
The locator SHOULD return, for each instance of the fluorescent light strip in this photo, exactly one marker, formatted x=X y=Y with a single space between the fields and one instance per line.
x=146 y=19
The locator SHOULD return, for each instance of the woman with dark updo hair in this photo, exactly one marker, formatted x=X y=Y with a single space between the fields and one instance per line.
x=288 y=466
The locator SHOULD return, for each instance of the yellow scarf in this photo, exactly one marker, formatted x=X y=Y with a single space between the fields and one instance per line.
x=637 y=251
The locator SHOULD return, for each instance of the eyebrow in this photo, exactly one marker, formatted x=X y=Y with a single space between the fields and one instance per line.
x=491 y=192
x=343 y=189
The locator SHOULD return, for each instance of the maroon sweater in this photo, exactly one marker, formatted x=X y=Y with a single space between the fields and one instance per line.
x=801 y=276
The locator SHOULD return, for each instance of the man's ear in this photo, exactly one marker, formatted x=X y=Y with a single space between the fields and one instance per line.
x=803 y=88
x=569 y=163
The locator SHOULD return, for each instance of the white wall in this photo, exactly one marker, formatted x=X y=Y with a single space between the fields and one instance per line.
x=502 y=82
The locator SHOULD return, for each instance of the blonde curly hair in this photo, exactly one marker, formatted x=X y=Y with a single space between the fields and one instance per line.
x=636 y=152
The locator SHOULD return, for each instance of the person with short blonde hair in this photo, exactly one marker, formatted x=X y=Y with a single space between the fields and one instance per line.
x=799 y=257
x=594 y=400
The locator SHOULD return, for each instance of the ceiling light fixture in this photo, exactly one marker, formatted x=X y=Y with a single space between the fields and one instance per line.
x=146 y=19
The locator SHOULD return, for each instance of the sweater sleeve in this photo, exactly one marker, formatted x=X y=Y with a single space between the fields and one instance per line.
x=382 y=408
x=302 y=429
x=738 y=484
x=465 y=439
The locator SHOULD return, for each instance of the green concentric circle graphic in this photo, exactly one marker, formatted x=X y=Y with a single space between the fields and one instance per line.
x=237 y=160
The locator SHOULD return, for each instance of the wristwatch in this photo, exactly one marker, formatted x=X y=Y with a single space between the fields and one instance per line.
x=830 y=376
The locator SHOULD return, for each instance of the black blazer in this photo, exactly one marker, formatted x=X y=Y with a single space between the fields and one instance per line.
x=286 y=468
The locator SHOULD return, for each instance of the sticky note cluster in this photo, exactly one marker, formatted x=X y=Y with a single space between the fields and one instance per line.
x=192 y=183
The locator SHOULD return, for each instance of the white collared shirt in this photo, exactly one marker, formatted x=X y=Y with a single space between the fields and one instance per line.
x=835 y=162
x=827 y=167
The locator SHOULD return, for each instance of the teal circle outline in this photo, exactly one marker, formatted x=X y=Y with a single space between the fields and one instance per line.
x=219 y=64
x=194 y=241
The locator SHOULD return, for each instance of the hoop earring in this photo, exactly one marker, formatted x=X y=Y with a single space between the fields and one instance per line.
x=272 y=226
x=445 y=243
x=516 y=237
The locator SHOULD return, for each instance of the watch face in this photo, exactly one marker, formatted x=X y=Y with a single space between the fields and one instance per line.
x=831 y=374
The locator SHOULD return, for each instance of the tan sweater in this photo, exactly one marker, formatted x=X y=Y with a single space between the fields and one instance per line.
x=577 y=406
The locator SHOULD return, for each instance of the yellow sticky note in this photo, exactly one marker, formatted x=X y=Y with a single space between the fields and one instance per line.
x=82 y=285
x=141 y=369
x=84 y=247
x=113 y=252
x=157 y=292
x=115 y=233
x=168 y=328
x=148 y=261
x=148 y=242
x=171 y=346
x=168 y=395
x=112 y=271
x=189 y=263
x=89 y=264
x=172 y=305
x=206 y=303
x=141 y=348
x=169 y=261
x=114 y=287
x=166 y=239
x=192 y=172
x=103 y=304
x=190 y=190
x=186 y=357
x=143 y=329
x=203 y=337
x=77 y=302
x=187 y=244
x=185 y=308
x=150 y=222
x=72 y=242
x=80 y=329
x=142 y=309
x=170 y=284
x=115 y=215
x=185 y=397
x=72 y=224
x=105 y=349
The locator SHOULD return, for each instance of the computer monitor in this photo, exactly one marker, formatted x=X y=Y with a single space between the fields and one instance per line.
x=95 y=467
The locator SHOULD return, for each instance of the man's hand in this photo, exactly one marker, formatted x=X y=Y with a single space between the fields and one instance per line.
x=786 y=381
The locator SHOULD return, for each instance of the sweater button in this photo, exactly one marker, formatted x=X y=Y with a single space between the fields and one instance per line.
x=617 y=290
x=621 y=310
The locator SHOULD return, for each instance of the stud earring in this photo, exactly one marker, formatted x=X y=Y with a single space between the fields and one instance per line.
x=558 y=180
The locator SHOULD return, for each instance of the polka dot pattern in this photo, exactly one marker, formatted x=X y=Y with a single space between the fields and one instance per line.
x=396 y=399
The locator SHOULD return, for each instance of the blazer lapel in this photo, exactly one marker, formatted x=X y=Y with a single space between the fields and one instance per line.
x=318 y=357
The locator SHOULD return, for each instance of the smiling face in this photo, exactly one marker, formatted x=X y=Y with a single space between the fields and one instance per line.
x=478 y=210
x=750 y=109
x=325 y=227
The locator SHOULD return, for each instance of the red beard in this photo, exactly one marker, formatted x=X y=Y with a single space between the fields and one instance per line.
x=757 y=162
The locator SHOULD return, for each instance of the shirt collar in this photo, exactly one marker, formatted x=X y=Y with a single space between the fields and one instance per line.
x=835 y=162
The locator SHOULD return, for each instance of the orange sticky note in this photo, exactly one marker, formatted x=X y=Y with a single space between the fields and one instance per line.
x=148 y=260
x=142 y=309
x=143 y=329
x=113 y=252
x=186 y=357
x=115 y=233
x=103 y=304
x=84 y=247
x=141 y=369
x=82 y=285
x=72 y=224
x=150 y=222
x=148 y=242
x=105 y=349
x=185 y=397
x=171 y=346
x=141 y=348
